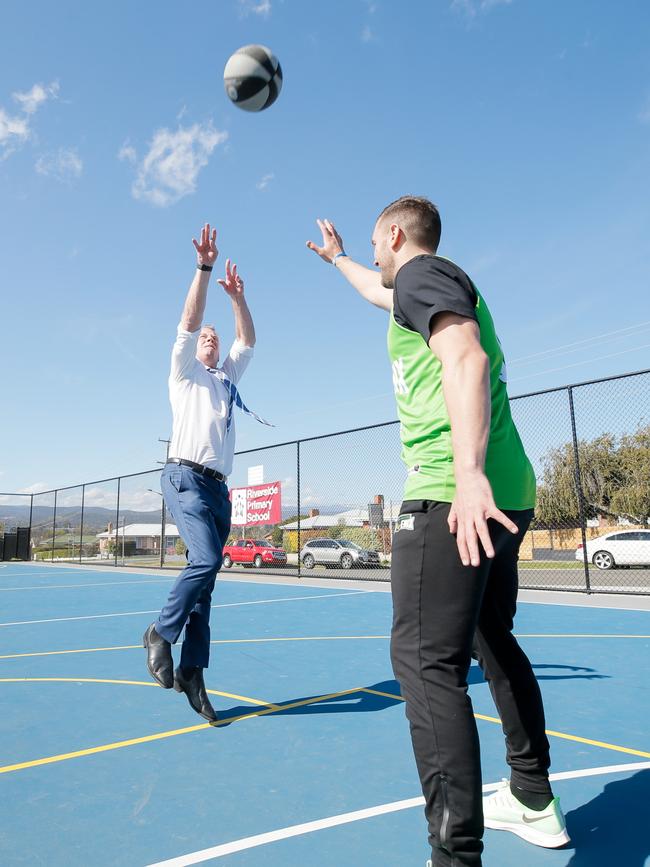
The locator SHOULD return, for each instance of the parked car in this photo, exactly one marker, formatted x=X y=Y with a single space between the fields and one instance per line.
x=253 y=552
x=622 y=548
x=337 y=552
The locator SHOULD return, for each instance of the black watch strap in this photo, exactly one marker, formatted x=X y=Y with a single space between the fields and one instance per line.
x=204 y=267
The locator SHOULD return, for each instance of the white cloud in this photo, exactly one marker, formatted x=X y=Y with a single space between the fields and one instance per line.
x=127 y=152
x=13 y=132
x=64 y=165
x=32 y=99
x=472 y=8
x=171 y=168
x=255 y=7
x=15 y=129
x=367 y=34
x=265 y=181
x=36 y=488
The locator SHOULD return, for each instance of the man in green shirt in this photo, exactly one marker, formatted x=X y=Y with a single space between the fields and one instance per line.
x=468 y=501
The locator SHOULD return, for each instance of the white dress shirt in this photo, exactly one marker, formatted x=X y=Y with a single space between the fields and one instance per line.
x=200 y=403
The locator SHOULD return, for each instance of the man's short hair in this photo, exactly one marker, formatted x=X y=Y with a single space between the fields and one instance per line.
x=210 y=328
x=418 y=218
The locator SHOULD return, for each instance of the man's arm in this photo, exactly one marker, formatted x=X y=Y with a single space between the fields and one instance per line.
x=366 y=281
x=206 y=254
x=233 y=286
x=455 y=340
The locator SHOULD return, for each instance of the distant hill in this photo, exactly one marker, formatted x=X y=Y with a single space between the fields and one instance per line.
x=95 y=517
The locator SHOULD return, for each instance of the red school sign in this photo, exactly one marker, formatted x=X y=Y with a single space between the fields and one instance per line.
x=257 y=504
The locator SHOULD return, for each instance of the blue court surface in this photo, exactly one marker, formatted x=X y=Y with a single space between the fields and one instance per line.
x=311 y=763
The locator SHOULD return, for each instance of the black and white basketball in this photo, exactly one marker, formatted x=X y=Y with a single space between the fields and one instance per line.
x=253 y=78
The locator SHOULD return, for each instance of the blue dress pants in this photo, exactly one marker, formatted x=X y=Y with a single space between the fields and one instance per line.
x=201 y=509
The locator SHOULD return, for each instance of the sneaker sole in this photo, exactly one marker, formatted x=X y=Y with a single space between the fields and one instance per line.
x=530 y=835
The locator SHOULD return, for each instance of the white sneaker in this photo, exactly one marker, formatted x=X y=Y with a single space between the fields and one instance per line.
x=503 y=812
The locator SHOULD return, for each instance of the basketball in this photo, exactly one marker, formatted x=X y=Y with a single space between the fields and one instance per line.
x=253 y=78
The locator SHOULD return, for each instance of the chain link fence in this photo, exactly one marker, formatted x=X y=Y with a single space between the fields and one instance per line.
x=327 y=506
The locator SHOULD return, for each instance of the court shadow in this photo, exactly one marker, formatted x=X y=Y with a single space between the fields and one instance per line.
x=367 y=699
x=476 y=675
x=353 y=702
x=613 y=827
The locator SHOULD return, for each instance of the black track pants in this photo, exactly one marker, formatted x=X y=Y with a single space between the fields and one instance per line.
x=443 y=614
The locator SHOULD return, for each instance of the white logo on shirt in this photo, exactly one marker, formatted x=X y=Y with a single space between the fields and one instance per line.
x=399 y=382
x=503 y=376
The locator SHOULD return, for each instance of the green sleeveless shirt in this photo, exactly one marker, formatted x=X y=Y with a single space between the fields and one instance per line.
x=425 y=429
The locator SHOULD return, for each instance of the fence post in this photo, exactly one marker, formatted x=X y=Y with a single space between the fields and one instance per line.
x=31 y=513
x=81 y=528
x=117 y=521
x=162 y=534
x=53 y=528
x=298 y=501
x=579 y=494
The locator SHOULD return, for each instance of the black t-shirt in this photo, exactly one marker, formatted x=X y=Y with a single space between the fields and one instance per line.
x=427 y=285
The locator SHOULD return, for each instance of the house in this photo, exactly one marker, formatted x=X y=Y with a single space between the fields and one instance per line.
x=138 y=538
x=353 y=524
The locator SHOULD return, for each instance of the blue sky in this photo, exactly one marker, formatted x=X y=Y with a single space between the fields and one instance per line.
x=527 y=122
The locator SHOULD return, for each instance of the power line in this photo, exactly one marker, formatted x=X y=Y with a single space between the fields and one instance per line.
x=557 y=349
x=579 y=363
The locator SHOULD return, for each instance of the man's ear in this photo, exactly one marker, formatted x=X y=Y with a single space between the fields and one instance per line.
x=397 y=237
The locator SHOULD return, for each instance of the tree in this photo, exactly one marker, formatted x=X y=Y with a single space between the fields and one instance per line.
x=614 y=480
x=180 y=547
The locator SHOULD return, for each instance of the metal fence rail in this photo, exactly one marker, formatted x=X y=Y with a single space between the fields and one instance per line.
x=589 y=443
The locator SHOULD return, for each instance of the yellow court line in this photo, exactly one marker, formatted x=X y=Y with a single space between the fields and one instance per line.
x=219 y=641
x=253 y=701
x=550 y=732
x=269 y=709
x=298 y=638
x=20 y=766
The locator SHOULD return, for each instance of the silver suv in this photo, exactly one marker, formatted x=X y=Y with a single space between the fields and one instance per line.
x=333 y=553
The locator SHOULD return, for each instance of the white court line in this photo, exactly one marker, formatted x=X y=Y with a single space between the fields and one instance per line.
x=356 y=816
x=96 y=584
x=156 y=610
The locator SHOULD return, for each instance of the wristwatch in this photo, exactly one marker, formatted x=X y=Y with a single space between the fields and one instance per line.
x=204 y=267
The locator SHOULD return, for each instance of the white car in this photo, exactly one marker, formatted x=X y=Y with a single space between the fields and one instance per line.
x=622 y=548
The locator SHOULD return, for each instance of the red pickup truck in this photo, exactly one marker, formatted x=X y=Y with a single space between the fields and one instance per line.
x=253 y=552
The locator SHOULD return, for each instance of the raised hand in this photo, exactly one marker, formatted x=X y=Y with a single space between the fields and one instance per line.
x=233 y=285
x=332 y=242
x=206 y=248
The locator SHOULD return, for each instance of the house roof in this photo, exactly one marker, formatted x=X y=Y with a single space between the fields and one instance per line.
x=139 y=530
x=351 y=518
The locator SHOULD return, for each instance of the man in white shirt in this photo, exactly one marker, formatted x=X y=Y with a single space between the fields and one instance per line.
x=203 y=397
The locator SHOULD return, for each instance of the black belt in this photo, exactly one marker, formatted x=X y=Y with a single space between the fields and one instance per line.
x=199 y=468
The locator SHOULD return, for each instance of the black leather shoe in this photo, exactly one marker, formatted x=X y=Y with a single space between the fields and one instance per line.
x=194 y=689
x=159 y=658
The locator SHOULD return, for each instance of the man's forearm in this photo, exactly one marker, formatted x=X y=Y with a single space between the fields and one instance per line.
x=466 y=387
x=194 y=308
x=366 y=281
x=244 y=328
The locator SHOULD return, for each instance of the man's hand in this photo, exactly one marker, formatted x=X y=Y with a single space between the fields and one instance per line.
x=470 y=510
x=233 y=285
x=332 y=242
x=206 y=248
